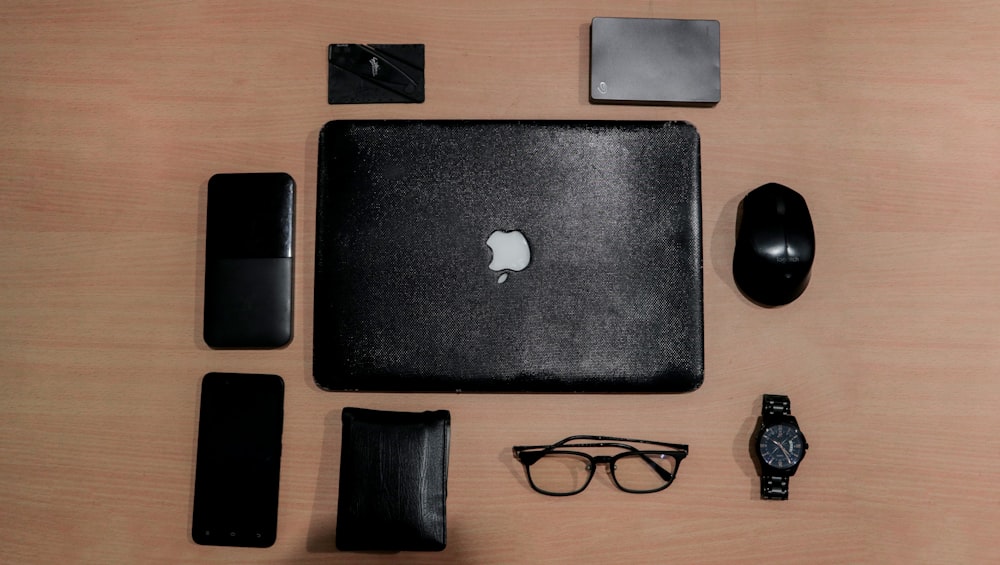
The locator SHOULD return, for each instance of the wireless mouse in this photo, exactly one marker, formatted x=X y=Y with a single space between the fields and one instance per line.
x=775 y=245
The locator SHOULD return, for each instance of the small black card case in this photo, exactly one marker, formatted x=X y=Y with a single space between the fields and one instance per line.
x=249 y=260
x=393 y=480
x=373 y=74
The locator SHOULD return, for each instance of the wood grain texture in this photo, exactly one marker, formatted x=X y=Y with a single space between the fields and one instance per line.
x=885 y=115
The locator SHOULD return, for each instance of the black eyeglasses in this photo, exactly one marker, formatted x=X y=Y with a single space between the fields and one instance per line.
x=560 y=470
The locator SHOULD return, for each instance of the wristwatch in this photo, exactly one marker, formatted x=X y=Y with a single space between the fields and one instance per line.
x=779 y=446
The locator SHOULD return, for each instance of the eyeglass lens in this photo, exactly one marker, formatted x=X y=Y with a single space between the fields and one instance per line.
x=568 y=473
x=637 y=472
x=560 y=473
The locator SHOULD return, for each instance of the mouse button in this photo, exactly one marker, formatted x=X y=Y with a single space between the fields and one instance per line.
x=797 y=260
x=779 y=206
x=799 y=247
x=770 y=243
x=796 y=208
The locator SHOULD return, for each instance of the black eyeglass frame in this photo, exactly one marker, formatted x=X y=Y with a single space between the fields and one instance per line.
x=528 y=455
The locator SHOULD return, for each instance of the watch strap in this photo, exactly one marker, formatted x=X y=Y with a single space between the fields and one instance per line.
x=774 y=488
x=776 y=405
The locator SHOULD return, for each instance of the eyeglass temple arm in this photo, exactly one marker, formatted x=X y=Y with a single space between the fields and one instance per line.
x=562 y=442
x=612 y=438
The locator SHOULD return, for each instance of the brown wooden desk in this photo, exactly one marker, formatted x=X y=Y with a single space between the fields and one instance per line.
x=886 y=115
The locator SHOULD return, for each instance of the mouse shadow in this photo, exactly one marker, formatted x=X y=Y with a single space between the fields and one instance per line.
x=724 y=242
x=322 y=535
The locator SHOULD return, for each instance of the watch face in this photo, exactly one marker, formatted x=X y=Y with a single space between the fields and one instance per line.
x=781 y=446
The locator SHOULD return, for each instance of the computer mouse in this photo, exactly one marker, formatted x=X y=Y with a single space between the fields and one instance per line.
x=775 y=245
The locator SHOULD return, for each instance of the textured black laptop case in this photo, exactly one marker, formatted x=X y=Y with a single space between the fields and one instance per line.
x=611 y=300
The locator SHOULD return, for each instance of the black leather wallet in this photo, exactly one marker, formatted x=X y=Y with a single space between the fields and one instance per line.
x=393 y=480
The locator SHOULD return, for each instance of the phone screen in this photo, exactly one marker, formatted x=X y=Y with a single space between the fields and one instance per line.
x=239 y=460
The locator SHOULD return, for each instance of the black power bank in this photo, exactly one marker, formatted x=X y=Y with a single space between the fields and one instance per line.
x=249 y=260
x=654 y=61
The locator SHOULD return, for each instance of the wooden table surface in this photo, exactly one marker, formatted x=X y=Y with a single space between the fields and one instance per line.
x=885 y=115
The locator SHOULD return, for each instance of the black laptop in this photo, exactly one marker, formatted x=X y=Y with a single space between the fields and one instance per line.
x=515 y=256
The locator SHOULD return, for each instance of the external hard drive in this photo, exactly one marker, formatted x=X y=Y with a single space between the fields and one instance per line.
x=654 y=61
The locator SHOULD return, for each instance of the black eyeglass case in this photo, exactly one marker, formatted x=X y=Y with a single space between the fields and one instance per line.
x=393 y=480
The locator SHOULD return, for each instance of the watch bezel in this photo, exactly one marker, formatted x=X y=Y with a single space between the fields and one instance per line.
x=767 y=422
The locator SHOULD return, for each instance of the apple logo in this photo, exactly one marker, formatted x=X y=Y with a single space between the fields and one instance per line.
x=510 y=252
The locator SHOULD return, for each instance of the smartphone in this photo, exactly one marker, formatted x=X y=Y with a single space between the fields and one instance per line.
x=249 y=258
x=239 y=460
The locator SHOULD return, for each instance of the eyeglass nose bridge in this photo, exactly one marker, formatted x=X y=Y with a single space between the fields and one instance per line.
x=607 y=460
x=610 y=460
x=598 y=459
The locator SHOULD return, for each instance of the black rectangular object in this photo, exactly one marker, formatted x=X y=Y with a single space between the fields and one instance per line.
x=655 y=61
x=239 y=460
x=370 y=74
x=393 y=480
x=249 y=260
x=610 y=302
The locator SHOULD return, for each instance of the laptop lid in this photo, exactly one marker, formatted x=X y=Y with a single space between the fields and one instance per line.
x=535 y=256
